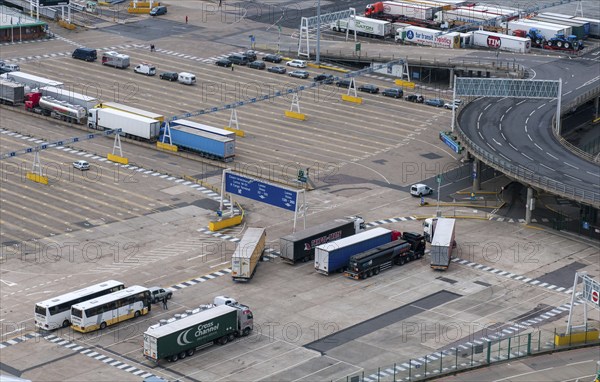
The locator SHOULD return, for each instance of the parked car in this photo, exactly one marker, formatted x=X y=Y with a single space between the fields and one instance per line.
x=369 y=88
x=277 y=69
x=86 y=54
x=169 y=76
x=251 y=55
x=144 y=68
x=343 y=84
x=157 y=294
x=296 y=63
x=157 y=11
x=435 y=102
x=257 y=65
x=224 y=62
x=275 y=58
x=81 y=165
x=415 y=98
x=239 y=59
x=393 y=92
x=299 y=74
x=450 y=106
x=324 y=78
x=420 y=189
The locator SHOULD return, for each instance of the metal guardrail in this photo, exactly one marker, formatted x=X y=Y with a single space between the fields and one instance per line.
x=528 y=176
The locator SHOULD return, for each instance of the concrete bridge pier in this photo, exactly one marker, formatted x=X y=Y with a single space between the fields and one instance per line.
x=529 y=206
x=476 y=175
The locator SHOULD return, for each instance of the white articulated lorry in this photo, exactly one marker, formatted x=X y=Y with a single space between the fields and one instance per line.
x=133 y=126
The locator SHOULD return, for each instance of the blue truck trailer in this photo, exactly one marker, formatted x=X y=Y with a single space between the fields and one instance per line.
x=335 y=255
x=206 y=144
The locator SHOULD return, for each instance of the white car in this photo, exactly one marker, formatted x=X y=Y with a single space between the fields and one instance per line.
x=450 y=106
x=420 y=190
x=297 y=63
x=81 y=165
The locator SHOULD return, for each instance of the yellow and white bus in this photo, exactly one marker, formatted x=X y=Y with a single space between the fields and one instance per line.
x=111 y=309
x=56 y=312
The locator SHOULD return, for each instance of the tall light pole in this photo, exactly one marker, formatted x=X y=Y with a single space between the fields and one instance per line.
x=318 y=59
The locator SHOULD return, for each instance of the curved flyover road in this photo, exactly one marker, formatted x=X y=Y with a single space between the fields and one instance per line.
x=515 y=135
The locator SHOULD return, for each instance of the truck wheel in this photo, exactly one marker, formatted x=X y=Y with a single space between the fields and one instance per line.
x=223 y=340
x=230 y=337
x=401 y=260
x=190 y=352
x=376 y=271
x=182 y=355
x=103 y=326
x=137 y=314
x=174 y=358
x=246 y=332
x=66 y=323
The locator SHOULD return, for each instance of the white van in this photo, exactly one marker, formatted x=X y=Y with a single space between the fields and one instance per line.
x=186 y=78
x=146 y=69
x=115 y=59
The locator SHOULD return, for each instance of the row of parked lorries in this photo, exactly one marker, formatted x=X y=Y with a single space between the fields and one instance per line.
x=50 y=98
x=345 y=245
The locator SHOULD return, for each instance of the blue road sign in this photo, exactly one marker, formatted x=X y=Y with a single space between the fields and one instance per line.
x=260 y=191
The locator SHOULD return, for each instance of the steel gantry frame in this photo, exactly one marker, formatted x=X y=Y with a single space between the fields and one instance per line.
x=308 y=23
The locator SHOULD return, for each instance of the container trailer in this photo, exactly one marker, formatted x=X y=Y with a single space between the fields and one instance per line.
x=578 y=28
x=500 y=41
x=131 y=125
x=31 y=81
x=300 y=246
x=247 y=254
x=132 y=110
x=442 y=243
x=209 y=145
x=70 y=97
x=11 y=93
x=364 y=26
x=546 y=30
x=203 y=127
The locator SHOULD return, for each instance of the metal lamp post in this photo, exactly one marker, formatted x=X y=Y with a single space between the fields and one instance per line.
x=318 y=58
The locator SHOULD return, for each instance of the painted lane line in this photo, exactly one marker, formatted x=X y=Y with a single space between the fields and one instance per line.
x=591 y=173
x=526 y=125
x=498 y=143
x=549 y=168
x=511 y=145
x=541 y=106
x=538 y=146
x=568 y=164
x=502 y=117
x=519 y=103
x=526 y=156
x=572 y=177
x=503 y=136
x=552 y=156
x=487 y=107
x=480 y=135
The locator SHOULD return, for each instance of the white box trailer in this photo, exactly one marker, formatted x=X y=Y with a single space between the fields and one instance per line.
x=428 y=37
x=132 y=125
x=464 y=16
x=133 y=110
x=548 y=30
x=442 y=244
x=203 y=127
x=70 y=97
x=364 y=26
x=31 y=81
x=247 y=254
x=501 y=41
x=412 y=10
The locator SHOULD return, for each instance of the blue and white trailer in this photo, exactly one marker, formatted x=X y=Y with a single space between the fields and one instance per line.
x=206 y=144
x=334 y=256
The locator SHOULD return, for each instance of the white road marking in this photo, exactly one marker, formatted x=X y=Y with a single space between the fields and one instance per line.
x=502 y=117
x=498 y=143
x=538 y=146
x=552 y=156
x=511 y=145
x=503 y=136
x=479 y=132
x=529 y=136
x=549 y=168
x=487 y=107
x=525 y=155
x=518 y=103
x=572 y=177
x=591 y=173
x=568 y=164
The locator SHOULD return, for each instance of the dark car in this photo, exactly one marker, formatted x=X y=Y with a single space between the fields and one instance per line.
x=239 y=59
x=435 y=102
x=257 y=65
x=393 y=92
x=415 y=98
x=343 y=84
x=251 y=55
x=157 y=11
x=277 y=69
x=170 y=76
x=86 y=54
x=324 y=78
x=299 y=74
x=224 y=62
x=275 y=58
x=369 y=88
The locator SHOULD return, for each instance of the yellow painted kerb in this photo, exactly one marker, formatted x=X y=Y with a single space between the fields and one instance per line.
x=352 y=99
x=575 y=338
x=37 y=178
x=166 y=146
x=230 y=222
x=293 y=114
x=117 y=159
x=238 y=132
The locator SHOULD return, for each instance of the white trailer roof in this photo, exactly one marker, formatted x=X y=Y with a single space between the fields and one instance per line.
x=350 y=240
x=200 y=133
x=191 y=320
x=245 y=247
x=131 y=109
x=196 y=125
x=69 y=93
x=444 y=230
x=128 y=115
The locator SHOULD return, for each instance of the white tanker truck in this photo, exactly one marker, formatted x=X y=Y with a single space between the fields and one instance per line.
x=54 y=108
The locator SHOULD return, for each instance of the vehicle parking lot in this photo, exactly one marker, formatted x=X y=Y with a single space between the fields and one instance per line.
x=144 y=224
